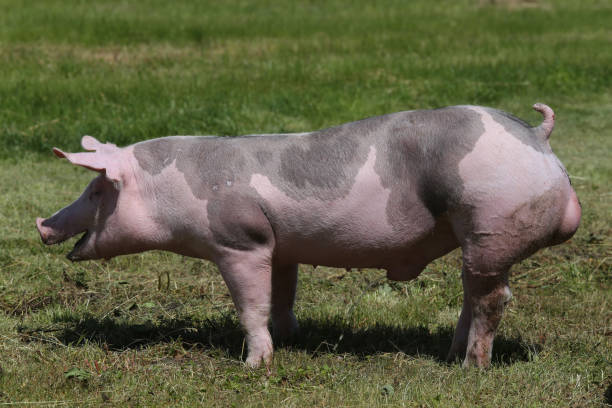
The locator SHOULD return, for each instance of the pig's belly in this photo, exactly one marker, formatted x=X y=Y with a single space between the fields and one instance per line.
x=359 y=242
x=331 y=251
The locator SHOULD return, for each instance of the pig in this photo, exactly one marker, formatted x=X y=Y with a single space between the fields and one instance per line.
x=392 y=192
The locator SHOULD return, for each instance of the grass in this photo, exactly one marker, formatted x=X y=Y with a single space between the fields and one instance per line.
x=157 y=329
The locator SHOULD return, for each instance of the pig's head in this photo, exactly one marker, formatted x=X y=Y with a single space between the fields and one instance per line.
x=106 y=213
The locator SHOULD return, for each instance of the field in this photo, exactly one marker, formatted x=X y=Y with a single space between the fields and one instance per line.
x=157 y=329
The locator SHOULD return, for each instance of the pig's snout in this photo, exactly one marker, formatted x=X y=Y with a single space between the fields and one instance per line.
x=48 y=234
x=45 y=232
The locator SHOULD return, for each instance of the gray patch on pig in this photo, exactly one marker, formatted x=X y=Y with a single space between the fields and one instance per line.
x=263 y=157
x=241 y=225
x=518 y=128
x=208 y=164
x=422 y=153
x=320 y=165
x=324 y=164
x=154 y=155
x=212 y=168
x=212 y=165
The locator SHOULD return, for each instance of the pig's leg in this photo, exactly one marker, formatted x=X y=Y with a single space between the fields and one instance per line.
x=284 y=282
x=487 y=297
x=486 y=293
x=248 y=275
x=459 y=345
x=491 y=245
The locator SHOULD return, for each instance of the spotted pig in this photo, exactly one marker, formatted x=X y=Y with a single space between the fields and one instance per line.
x=392 y=192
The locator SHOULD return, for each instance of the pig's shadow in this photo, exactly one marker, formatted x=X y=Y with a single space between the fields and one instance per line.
x=608 y=395
x=316 y=337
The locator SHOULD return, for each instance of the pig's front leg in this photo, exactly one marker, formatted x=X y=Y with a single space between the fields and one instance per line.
x=284 y=281
x=244 y=246
x=248 y=275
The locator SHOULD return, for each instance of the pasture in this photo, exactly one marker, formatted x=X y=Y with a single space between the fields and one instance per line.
x=157 y=329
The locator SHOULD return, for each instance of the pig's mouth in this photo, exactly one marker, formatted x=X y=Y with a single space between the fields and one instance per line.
x=51 y=235
x=74 y=254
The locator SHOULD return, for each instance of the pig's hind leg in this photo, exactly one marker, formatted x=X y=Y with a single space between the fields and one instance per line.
x=284 y=282
x=487 y=258
x=493 y=241
x=485 y=296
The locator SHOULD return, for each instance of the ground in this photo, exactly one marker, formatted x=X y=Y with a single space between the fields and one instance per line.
x=158 y=329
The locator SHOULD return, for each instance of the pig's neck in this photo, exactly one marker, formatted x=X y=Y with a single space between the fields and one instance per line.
x=177 y=220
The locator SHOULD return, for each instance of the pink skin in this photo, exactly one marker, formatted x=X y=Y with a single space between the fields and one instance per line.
x=358 y=233
x=128 y=214
x=487 y=258
x=494 y=237
x=570 y=221
x=502 y=219
x=110 y=210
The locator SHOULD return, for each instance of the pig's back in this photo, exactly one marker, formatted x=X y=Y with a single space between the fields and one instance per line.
x=363 y=191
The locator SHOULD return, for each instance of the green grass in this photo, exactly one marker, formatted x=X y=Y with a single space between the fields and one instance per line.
x=118 y=333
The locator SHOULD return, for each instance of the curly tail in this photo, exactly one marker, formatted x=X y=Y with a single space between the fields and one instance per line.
x=547 y=125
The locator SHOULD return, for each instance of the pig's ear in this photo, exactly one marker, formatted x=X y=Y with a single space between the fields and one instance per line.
x=91 y=143
x=93 y=161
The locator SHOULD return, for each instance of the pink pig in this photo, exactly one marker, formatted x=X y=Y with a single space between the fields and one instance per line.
x=393 y=192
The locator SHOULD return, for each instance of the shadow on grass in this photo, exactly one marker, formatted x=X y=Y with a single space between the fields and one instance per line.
x=316 y=337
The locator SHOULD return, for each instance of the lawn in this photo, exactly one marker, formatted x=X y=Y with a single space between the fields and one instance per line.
x=157 y=329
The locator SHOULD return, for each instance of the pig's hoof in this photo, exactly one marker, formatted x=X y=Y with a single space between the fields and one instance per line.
x=254 y=360
x=285 y=328
x=454 y=356
x=260 y=349
x=456 y=352
x=467 y=363
x=481 y=362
